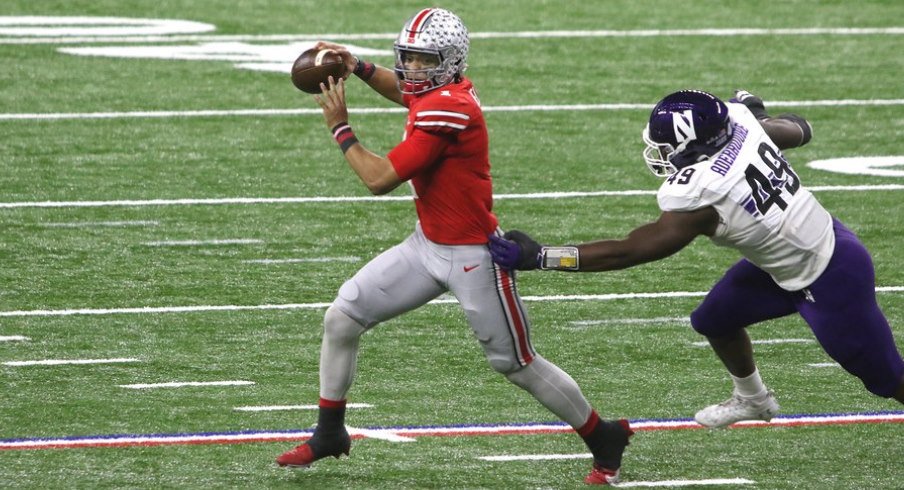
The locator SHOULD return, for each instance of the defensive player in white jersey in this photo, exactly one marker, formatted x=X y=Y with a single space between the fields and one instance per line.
x=445 y=158
x=726 y=178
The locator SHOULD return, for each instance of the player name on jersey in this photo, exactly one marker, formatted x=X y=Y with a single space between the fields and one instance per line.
x=729 y=154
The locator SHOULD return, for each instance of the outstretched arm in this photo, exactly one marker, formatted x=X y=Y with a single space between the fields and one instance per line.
x=652 y=241
x=382 y=80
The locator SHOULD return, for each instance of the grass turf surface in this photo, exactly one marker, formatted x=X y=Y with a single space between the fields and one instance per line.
x=423 y=368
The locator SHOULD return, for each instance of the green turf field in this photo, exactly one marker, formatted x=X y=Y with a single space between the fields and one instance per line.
x=118 y=192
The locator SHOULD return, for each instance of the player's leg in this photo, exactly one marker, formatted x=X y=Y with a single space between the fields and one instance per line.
x=498 y=319
x=744 y=296
x=338 y=361
x=842 y=311
x=560 y=394
x=394 y=282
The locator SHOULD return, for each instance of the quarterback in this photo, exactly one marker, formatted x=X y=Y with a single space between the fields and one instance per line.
x=727 y=179
x=444 y=156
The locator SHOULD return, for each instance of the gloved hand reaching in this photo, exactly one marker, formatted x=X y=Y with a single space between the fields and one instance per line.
x=515 y=250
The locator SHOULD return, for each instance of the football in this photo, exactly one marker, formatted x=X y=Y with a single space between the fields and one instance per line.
x=314 y=67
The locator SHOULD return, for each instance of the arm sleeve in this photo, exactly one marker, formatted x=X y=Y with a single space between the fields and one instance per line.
x=788 y=130
x=805 y=128
x=417 y=152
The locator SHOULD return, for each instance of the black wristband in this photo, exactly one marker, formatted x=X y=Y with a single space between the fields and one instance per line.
x=758 y=111
x=365 y=70
x=752 y=102
x=344 y=135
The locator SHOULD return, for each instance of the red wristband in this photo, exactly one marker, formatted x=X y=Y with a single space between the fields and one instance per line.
x=344 y=135
x=364 y=70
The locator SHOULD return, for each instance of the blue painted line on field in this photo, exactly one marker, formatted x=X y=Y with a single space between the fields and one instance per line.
x=460 y=430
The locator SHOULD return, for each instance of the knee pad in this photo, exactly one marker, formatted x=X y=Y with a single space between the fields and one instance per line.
x=539 y=371
x=504 y=365
x=521 y=376
x=699 y=324
x=881 y=376
x=703 y=323
x=337 y=325
x=349 y=301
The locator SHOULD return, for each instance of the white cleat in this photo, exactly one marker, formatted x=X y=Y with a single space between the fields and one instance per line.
x=736 y=409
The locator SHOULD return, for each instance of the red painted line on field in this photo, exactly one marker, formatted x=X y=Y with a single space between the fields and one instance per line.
x=138 y=440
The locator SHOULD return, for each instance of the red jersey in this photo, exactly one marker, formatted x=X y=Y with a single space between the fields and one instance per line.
x=445 y=156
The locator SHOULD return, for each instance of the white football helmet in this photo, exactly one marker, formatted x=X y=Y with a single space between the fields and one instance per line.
x=435 y=32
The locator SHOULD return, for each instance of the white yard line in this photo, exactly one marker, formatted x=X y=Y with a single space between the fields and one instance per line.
x=181 y=384
x=302 y=260
x=310 y=306
x=535 y=457
x=383 y=435
x=272 y=408
x=162 y=309
x=824 y=364
x=194 y=243
x=629 y=321
x=52 y=116
x=203 y=201
x=92 y=224
x=59 y=362
x=353 y=199
x=345 y=36
x=766 y=342
x=128 y=440
x=661 y=483
x=685 y=483
x=13 y=338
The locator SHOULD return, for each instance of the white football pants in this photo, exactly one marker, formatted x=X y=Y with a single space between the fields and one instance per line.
x=416 y=271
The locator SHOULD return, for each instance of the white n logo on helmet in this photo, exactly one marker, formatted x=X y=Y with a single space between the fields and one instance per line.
x=683 y=125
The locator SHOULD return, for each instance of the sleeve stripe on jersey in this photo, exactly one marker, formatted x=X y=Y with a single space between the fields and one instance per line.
x=440 y=123
x=456 y=115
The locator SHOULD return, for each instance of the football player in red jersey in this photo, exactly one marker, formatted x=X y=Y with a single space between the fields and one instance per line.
x=445 y=158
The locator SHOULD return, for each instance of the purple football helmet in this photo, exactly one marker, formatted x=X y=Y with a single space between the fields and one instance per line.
x=684 y=128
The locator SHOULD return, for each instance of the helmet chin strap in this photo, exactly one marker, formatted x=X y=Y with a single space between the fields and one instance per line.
x=415 y=87
x=679 y=149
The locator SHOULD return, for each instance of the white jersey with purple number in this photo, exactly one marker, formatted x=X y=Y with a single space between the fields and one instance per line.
x=764 y=212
